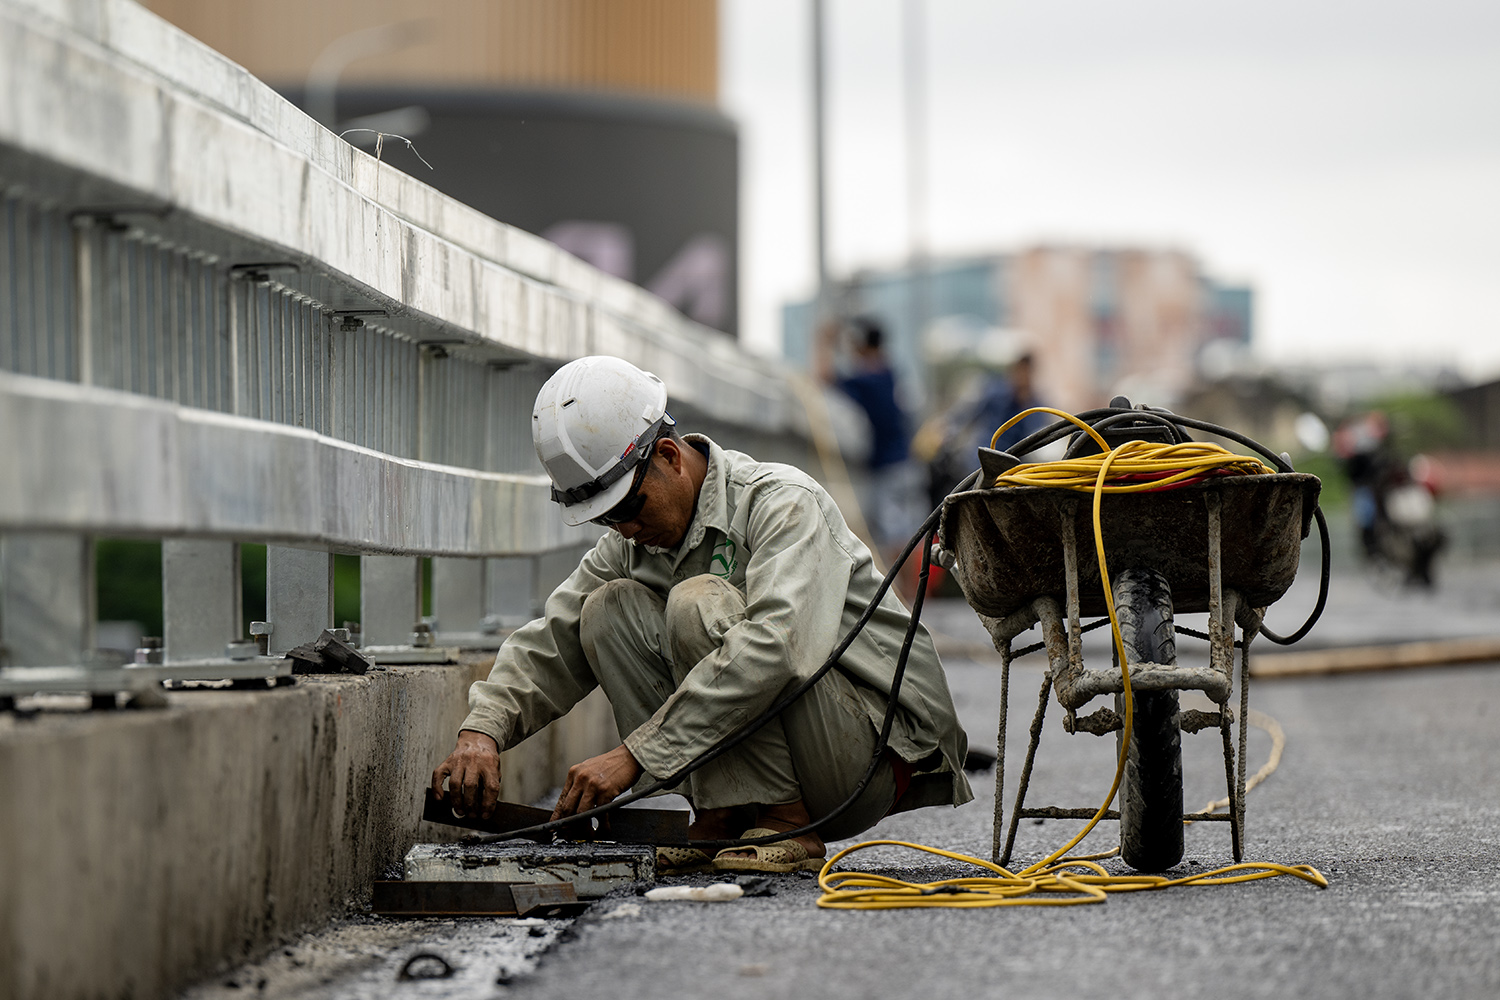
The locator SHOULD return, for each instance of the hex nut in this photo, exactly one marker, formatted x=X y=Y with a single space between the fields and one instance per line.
x=241 y=649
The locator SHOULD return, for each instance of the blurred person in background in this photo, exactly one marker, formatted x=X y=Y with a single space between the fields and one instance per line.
x=893 y=502
x=1394 y=514
x=972 y=421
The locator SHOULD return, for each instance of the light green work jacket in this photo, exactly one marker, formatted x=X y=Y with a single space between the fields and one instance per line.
x=776 y=534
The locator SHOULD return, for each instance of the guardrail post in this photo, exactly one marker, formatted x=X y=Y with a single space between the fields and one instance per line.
x=200 y=582
x=390 y=599
x=458 y=601
x=47 y=599
x=299 y=595
x=510 y=589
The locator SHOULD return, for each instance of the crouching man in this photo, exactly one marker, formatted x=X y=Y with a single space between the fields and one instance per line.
x=723 y=583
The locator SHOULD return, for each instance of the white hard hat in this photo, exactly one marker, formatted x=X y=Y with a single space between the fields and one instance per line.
x=594 y=422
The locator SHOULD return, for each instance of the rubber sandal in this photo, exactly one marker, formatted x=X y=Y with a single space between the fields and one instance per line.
x=777 y=856
x=682 y=861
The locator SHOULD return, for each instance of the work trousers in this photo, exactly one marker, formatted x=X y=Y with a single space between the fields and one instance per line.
x=641 y=647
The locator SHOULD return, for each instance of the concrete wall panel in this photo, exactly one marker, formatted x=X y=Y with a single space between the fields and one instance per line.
x=142 y=850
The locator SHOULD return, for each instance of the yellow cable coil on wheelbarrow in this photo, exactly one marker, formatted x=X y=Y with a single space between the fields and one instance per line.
x=1059 y=880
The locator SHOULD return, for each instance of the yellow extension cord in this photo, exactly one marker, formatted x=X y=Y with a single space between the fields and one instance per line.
x=1058 y=880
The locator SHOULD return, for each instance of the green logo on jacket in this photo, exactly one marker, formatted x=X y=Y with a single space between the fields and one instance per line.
x=723 y=563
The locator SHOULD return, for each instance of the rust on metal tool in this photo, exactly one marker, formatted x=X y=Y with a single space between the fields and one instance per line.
x=476 y=899
x=623 y=826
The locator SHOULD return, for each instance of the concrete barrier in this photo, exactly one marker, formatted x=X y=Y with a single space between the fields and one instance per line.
x=141 y=850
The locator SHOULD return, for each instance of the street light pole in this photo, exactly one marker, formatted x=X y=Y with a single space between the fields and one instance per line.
x=914 y=34
x=820 y=181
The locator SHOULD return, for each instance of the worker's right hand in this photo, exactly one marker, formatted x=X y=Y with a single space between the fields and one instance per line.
x=473 y=774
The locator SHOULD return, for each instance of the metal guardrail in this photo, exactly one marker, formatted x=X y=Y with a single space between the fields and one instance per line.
x=223 y=324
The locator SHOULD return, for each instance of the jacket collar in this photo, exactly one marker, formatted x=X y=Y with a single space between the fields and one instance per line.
x=713 y=498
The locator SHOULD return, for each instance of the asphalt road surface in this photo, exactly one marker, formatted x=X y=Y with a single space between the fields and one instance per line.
x=1390 y=786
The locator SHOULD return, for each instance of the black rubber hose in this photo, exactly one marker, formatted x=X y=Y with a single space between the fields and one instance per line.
x=1128 y=416
x=1036 y=440
x=1109 y=415
x=1323 y=581
x=1062 y=428
x=754 y=725
x=1282 y=465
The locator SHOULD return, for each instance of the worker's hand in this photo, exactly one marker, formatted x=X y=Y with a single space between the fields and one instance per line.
x=597 y=781
x=473 y=773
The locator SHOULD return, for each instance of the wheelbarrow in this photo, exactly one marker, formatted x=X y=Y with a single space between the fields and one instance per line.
x=1228 y=546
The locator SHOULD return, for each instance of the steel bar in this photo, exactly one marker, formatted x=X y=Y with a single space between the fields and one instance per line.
x=1004 y=647
x=1225 y=721
x=1070 y=575
x=1059 y=812
x=1036 y=738
x=1239 y=781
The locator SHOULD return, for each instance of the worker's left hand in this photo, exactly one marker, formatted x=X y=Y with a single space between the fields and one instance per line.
x=597 y=781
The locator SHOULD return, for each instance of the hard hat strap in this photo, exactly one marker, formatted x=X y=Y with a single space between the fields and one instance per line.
x=634 y=454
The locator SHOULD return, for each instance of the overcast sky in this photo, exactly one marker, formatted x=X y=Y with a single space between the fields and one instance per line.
x=1344 y=158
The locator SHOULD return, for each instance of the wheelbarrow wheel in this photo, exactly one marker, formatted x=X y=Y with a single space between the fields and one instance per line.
x=1151 y=790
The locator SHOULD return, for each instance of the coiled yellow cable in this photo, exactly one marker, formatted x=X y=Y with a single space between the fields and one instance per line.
x=1058 y=880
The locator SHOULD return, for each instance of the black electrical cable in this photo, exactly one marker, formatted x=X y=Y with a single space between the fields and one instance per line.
x=1106 y=416
x=754 y=725
x=1126 y=417
x=1111 y=414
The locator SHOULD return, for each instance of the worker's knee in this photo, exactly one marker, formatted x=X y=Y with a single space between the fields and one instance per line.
x=615 y=601
x=701 y=609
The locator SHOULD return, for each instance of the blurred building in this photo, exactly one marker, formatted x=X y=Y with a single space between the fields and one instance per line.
x=1097 y=321
x=1480 y=406
x=591 y=122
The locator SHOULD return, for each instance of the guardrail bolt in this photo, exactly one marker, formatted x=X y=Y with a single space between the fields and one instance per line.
x=421 y=635
x=150 y=649
x=354 y=633
x=261 y=631
x=242 y=649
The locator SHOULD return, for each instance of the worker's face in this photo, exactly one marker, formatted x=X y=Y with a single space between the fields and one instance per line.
x=669 y=496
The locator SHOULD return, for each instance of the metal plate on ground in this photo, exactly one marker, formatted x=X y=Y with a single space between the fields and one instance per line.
x=623 y=826
x=398 y=656
x=475 y=899
x=593 y=870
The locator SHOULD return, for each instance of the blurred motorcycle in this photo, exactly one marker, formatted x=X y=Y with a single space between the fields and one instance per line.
x=1395 y=511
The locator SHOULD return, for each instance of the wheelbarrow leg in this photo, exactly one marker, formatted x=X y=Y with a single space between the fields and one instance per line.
x=1000 y=751
x=1223 y=606
x=1229 y=782
x=1036 y=737
x=1238 y=805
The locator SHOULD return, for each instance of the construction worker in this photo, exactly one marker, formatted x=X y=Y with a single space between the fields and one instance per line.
x=722 y=583
x=895 y=498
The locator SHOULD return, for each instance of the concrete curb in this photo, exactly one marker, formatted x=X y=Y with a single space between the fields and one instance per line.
x=140 y=851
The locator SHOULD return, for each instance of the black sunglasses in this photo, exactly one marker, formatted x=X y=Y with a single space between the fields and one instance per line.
x=629 y=508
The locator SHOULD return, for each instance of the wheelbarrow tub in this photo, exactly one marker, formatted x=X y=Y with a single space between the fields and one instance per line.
x=1008 y=541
